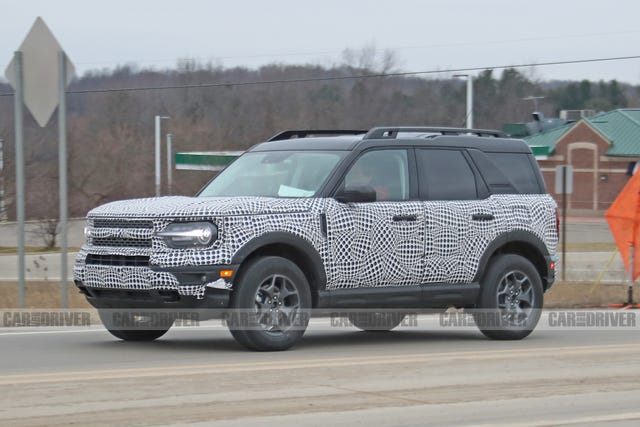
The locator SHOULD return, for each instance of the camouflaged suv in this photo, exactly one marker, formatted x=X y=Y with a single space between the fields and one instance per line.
x=391 y=218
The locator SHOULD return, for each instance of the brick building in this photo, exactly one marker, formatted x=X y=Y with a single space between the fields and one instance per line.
x=603 y=150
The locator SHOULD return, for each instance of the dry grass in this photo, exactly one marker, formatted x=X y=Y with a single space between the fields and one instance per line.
x=589 y=247
x=12 y=250
x=46 y=294
x=585 y=295
x=40 y=294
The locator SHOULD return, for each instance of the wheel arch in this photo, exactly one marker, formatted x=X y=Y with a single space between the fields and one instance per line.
x=292 y=247
x=523 y=243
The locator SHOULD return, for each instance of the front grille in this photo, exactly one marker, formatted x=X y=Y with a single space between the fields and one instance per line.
x=121 y=223
x=117 y=260
x=110 y=232
x=121 y=242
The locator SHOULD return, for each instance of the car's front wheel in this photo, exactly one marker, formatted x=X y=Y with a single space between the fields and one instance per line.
x=510 y=300
x=270 y=304
x=133 y=327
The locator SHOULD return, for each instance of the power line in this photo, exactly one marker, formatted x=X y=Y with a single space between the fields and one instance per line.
x=392 y=48
x=355 y=77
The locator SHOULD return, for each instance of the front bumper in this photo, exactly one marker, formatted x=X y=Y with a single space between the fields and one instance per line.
x=144 y=287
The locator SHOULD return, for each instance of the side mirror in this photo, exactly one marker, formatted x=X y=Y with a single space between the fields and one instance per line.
x=360 y=194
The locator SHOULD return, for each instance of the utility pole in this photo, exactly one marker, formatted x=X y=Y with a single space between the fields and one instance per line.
x=158 y=161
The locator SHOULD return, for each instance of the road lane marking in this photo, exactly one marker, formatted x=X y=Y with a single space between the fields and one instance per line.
x=73 y=331
x=102 y=329
x=165 y=371
x=626 y=416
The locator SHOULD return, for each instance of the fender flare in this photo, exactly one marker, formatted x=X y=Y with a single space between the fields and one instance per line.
x=313 y=260
x=517 y=236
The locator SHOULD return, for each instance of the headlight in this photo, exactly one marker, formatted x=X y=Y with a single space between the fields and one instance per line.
x=189 y=234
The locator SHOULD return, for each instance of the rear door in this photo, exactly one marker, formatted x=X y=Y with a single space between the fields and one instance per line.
x=459 y=218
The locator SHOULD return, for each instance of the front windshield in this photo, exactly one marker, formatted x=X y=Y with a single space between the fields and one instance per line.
x=274 y=174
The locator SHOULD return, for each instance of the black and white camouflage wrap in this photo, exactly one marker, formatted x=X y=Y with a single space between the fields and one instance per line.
x=363 y=247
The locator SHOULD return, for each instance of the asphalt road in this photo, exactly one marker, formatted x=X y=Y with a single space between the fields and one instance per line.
x=334 y=376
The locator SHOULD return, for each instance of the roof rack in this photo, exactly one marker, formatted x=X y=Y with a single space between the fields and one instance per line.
x=392 y=132
x=303 y=133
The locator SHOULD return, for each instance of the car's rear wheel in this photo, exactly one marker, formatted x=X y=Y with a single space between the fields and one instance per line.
x=270 y=303
x=511 y=299
x=137 y=328
x=375 y=321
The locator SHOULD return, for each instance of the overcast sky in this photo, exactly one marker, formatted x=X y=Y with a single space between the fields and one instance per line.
x=426 y=35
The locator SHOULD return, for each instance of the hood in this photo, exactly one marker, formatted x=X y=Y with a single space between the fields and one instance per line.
x=194 y=207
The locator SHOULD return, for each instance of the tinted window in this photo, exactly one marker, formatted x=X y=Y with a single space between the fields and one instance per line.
x=386 y=171
x=445 y=175
x=518 y=169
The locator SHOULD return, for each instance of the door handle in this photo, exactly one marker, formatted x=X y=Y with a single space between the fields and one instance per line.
x=483 y=217
x=405 y=217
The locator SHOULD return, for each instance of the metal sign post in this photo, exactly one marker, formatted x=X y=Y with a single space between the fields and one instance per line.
x=18 y=99
x=62 y=166
x=564 y=186
x=38 y=86
x=3 y=214
x=632 y=259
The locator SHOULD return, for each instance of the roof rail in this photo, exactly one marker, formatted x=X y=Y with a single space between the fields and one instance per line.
x=303 y=133
x=392 y=132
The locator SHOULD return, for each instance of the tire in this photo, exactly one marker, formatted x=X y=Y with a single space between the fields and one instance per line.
x=376 y=321
x=274 y=296
x=511 y=299
x=137 y=331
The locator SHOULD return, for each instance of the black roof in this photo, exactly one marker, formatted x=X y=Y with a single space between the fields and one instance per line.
x=484 y=140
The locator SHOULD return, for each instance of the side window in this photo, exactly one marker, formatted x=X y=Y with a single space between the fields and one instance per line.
x=445 y=175
x=386 y=171
x=518 y=169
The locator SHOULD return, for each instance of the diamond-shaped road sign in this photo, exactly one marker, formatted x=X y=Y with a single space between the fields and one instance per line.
x=40 y=71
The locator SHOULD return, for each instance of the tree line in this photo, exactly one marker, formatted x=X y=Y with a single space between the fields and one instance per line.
x=111 y=134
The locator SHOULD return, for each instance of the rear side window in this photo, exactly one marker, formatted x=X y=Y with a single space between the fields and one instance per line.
x=518 y=170
x=445 y=175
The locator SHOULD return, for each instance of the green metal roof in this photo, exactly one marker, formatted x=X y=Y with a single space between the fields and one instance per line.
x=205 y=160
x=544 y=143
x=620 y=127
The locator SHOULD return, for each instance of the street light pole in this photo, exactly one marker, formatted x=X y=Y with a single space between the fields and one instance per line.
x=169 y=163
x=158 y=161
x=535 y=101
x=470 y=101
x=469 y=116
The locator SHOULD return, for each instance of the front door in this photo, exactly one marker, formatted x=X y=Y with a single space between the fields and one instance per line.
x=378 y=243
